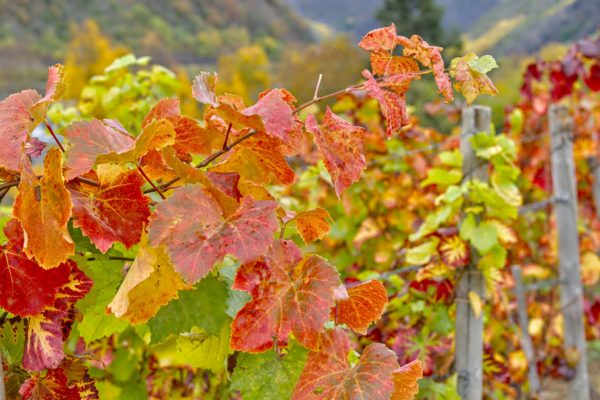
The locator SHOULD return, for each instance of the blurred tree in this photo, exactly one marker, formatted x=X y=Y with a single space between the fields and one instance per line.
x=88 y=54
x=244 y=72
x=337 y=59
x=423 y=17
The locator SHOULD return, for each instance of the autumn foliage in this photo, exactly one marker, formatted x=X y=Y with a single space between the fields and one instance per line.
x=176 y=236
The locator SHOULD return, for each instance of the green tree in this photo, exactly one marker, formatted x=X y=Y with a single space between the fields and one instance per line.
x=423 y=17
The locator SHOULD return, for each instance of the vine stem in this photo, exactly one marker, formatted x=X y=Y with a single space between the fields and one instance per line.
x=147 y=178
x=49 y=127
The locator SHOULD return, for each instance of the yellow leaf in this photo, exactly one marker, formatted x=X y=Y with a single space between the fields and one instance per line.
x=476 y=303
x=535 y=326
x=150 y=284
x=505 y=234
x=590 y=269
x=43 y=206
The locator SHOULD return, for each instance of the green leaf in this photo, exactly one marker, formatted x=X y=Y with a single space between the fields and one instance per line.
x=12 y=341
x=432 y=223
x=197 y=349
x=452 y=158
x=484 y=237
x=107 y=277
x=204 y=307
x=235 y=298
x=267 y=376
x=421 y=254
x=467 y=227
x=483 y=64
x=438 y=176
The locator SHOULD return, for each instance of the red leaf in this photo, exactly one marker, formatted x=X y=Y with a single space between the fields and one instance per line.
x=329 y=375
x=16 y=122
x=276 y=114
x=592 y=79
x=48 y=331
x=393 y=104
x=50 y=386
x=380 y=39
x=197 y=233
x=90 y=139
x=55 y=88
x=341 y=146
x=364 y=305
x=26 y=287
x=454 y=251
x=562 y=85
x=227 y=182
x=34 y=147
x=116 y=211
x=289 y=294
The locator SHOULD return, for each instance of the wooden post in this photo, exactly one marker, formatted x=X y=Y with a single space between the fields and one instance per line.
x=571 y=292
x=526 y=342
x=594 y=164
x=469 y=328
x=2 y=388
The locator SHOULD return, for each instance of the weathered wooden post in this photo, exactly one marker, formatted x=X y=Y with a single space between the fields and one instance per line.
x=526 y=342
x=565 y=208
x=469 y=327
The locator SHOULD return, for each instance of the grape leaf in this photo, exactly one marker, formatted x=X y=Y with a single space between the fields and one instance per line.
x=50 y=386
x=329 y=375
x=197 y=234
x=364 y=305
x=90 y=139
x=392 y=103
x=430 y=57
x=268 y=376
x=259 y=159
x=454 y=251
x=155 y=136
x=55 y=89
x=289 y=294
x=341 y=146
x=203 y=88
x=26 y=287
x=16 y=123
x=275 y=113
x=12 y=340
x=380 y=39
x=203 y=307
x=469 y=73
x=115 y=211
x=405 y=381
x=48 y=330
x=106 y=275
x=150 y=283
x=197 y=350
x=313 y=224
x=43 y=206
x=34 y=147
x=190 y=138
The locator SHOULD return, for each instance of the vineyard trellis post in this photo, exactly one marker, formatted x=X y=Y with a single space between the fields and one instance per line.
x=526 y=342
x=469 y=327
x=565 y=208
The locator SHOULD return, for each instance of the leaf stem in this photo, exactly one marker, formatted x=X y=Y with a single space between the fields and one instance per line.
x=225 y=147
x=147 y=178
x=49 y=127
x=9 y=184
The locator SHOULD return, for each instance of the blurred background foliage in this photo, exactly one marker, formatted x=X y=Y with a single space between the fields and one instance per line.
x=256 y=44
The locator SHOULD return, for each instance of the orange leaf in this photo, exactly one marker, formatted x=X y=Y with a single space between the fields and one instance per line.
x=405 y=381
x=364 y=305
x=313 y=224
x=44 y=207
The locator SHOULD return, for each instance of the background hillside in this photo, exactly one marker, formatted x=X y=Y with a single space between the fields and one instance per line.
x=36 y=33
